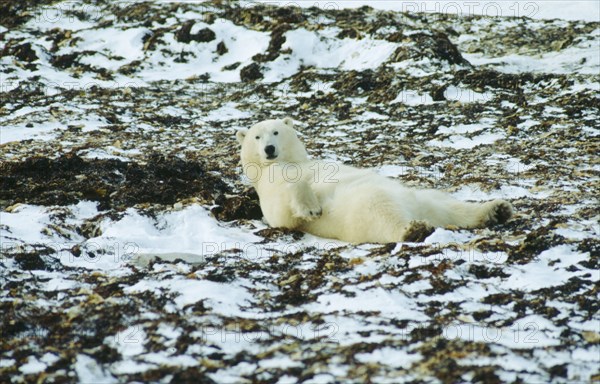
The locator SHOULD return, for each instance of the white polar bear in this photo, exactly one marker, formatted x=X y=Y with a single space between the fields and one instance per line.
x=336 y=201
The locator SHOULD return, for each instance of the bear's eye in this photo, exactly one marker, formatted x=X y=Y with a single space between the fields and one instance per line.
x=276 y=133
x=257 y=137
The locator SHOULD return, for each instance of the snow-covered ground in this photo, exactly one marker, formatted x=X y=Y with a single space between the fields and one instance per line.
x=117 y=143
x=588 y=10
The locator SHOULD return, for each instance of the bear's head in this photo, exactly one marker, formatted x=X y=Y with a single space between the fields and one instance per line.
x=271 y=141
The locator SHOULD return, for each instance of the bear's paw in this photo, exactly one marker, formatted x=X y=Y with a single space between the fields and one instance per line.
x=308 y=211
x=417 y=231
x=499 y=213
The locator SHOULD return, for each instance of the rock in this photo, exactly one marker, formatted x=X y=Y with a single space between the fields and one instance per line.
x=65 y=61
x=222 y=49
x=238 y=207
x=23 y=52
x=251 y=73
x=183 y=34
x=277 y=40
x=31 y=261
x=436 y=46
x=204 y=35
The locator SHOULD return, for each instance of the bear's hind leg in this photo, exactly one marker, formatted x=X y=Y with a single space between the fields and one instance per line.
x=417 y=231
x=496 y=212
x=442 y=210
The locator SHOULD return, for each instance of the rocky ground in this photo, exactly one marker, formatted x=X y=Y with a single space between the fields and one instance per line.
x=117 y=138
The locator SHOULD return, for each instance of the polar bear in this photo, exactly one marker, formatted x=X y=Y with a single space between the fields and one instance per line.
x=332 y=200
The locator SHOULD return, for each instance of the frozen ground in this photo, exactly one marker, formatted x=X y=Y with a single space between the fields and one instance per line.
x=117 y=124
x=588 y=10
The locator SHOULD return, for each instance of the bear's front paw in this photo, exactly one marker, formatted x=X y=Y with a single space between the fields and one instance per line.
x=308 y=212
x=499 y=213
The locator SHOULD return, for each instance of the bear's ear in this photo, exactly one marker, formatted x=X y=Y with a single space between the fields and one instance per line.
x=289 y=122
x=240 y=134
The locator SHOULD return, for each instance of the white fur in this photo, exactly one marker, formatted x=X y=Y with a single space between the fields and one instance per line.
x=337 y=201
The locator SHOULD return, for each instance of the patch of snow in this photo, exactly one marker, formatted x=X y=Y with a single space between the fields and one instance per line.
x=461 y=142
x=387 y=303
x=20 y=132
x=547 y=271
x=89 y=370
x=460 y=129
x=394 y=357
x=588 y=10
x=32 y=366
x=242 y=45
x=7 y=363
x=191 y=230
x=473 y=192
x=322 y=49
x=413 y=98
x=224 y=299
x=466 y=95
x=227 y=112
x=583 y=58
x=60 y=284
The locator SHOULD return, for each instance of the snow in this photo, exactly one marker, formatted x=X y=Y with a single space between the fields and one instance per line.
x=413 y=98
x=588 y=10
x=391 y=170
x=129 y=342
x=89 y=371
x=474 y=192
x=387 y=303
x=225 y=299
x=227 y=112
x=128 y=46
x=358 y=313
x=165 y=359
x=546 y=271
x=461 y=142
x=242 y=45
x=466 y=95
x=32 y=366
x=397 y=358
x=460 y=128
x=322 y=50
x=25 y=224
x=583 y=58
x=59 y=284
x=190 y=231
x=20 y=132
x=283 y=361
x=7 y=363
x=58 y=15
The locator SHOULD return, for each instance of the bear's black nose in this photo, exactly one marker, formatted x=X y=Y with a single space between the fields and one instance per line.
x=270 y=150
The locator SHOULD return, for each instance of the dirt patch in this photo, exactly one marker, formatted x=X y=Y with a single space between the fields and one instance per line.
x=242 y=206
x=535 y=243
x=422 y=45
x=277 y=40
x=204 y=35
x=113 y=183
x=15 y=13
x=23 y=52
x=251 y=72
